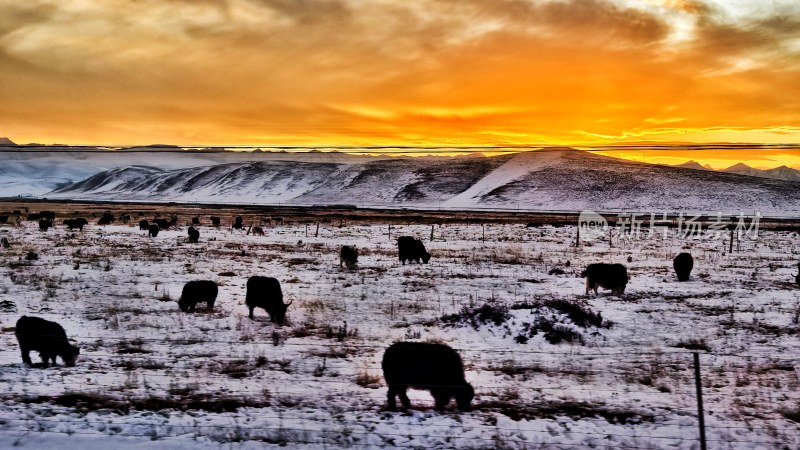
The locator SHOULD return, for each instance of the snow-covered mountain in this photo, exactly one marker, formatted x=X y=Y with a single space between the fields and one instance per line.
x=563 y=180
x=35 y=171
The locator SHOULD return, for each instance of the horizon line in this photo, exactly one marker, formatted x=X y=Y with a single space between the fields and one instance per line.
x=516 y=147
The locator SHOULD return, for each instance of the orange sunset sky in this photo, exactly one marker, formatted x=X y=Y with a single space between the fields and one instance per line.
x=405 y=72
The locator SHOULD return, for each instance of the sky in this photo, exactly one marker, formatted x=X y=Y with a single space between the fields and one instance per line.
x=402 y=72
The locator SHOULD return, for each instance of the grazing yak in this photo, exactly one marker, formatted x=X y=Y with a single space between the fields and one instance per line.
x=4 y=242
x=49 y=215
x=162 y=224
x=47 y=338
x=3 y=219
x=608 y=276
x=433 y=367
x=258 y=231
x=106 y=219
x=44 y=224
x=153 y=230
x=683 y=265
x=410 y=249
x=79 y=223
x=195 y=221
x=33 y=217
x=238 y=225
x=144 y=224
x=198 y=291
x=215 y=221
x=125 y=218
x=265 y=292
x=348 y=256
x=194 y=235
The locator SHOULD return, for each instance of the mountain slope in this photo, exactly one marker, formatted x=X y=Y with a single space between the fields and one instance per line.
x=35 y=171
x=563 y=180
x=783 y=173
x=579 y=181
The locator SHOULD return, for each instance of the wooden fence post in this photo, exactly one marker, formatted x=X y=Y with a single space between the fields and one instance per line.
x=700 y=418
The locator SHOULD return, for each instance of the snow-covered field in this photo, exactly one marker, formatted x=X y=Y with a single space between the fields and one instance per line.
x=152 y=377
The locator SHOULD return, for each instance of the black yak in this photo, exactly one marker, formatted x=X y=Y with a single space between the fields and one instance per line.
x=33 y=217
x=106 y=219
x=265 y=292
x=4 y=243
x=194 y=235
x=44 y=224
x=348 y=256
x=410 y=249
x=683 y=265
x=238 y=223
x=144 y=224
x=80 y=222
x=195 y=221
x=153 y=230
x=47 y=338
x=198 y=291
x=608 y=276
x=125 y=218
x=49 y=215
x=162 y=224
x=433 y=367
x=258 y=231
x=3 y=219
x=214 y=221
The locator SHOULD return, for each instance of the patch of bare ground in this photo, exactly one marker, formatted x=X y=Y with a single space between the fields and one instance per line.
x=180 y=401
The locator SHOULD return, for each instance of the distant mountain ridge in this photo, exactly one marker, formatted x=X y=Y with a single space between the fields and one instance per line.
x=694 y=165
x=778 y=173
x=555 y=180
x=784 y=173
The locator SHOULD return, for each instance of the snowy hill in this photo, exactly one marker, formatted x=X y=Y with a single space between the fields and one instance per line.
x=35 y=171
x=561 y=180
